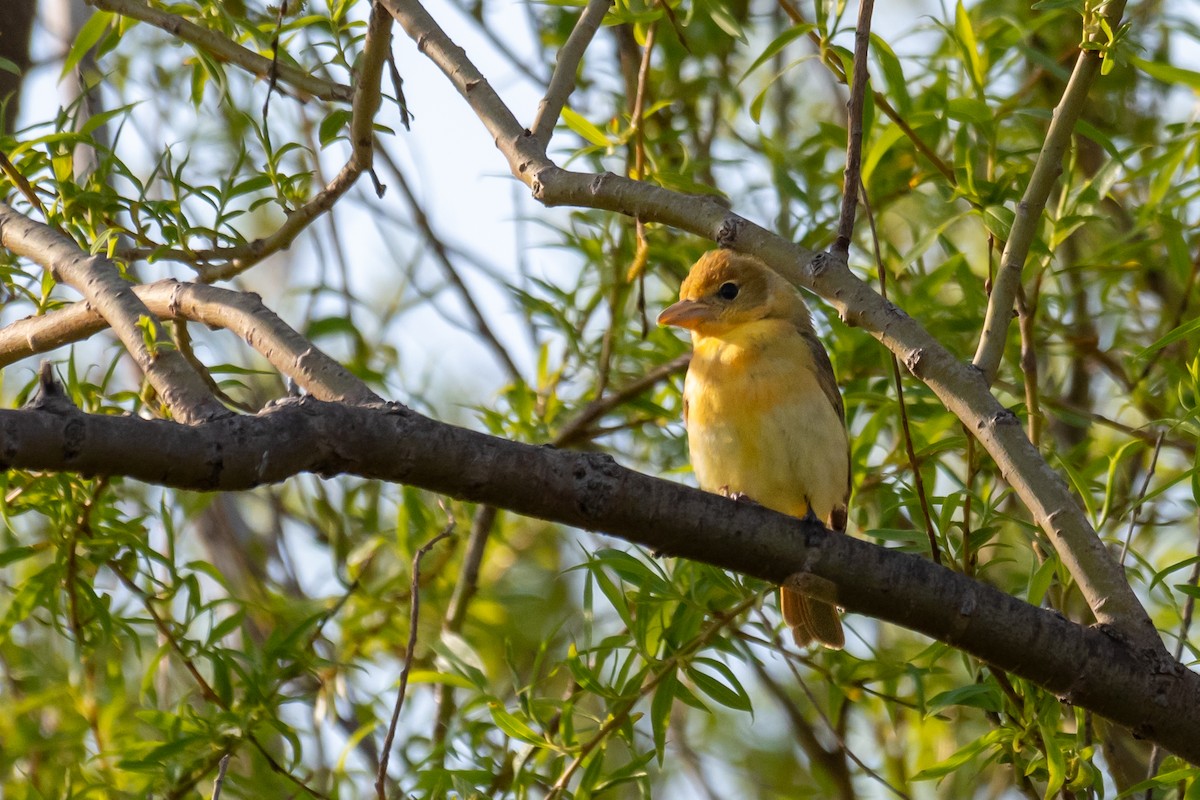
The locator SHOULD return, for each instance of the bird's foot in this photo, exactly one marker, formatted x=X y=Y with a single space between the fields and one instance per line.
x=737 y=497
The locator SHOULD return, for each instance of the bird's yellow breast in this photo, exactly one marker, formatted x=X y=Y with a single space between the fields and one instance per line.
x=759 y=422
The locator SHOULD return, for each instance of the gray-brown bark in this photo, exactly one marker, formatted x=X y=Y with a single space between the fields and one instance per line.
x=1088 y=666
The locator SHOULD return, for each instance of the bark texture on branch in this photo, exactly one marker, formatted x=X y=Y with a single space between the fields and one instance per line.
x=1091 y=667
x=100 y=282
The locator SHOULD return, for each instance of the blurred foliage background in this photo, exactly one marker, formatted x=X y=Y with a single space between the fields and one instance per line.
x=146 y=633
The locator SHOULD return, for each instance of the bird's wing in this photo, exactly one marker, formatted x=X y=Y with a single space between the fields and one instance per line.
x=828 y=383
x=824 y=371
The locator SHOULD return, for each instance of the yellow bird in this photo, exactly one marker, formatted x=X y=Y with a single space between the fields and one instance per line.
x=763 y=413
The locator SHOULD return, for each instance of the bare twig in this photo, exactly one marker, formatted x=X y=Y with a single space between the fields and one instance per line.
x=219 y=782
x=854 y=130
x=831 y=61
x=562 y=82
x=1137 y=504
x=832 y=763
x=306 y=84
x=1029 y=364
x=970 y=557
x=575 y=429
x=1067 y=408
x=456 y=612
x=914 y=462
x=281 y=12
x=414 y=618
x=1029 y=210
x=101 y=284
x=441 y=255
x=22 y=184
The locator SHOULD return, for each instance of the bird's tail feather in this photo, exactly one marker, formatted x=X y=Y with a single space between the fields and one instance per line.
x=811 y=619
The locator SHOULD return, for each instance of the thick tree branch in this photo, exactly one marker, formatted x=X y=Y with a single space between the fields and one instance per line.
x=1029 y=211
x=240 y=312
x=562 y=82
x=101 y=284
x=1091 y=667
x=959 y=386
x=224 y=49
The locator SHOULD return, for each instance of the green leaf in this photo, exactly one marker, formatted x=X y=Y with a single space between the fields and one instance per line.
x=332 y=125
x=730 y=693
x=1168 y=73
x=974 y=695
x=92 y=32
x=969 y=45
x=515 y=727
x=429 y=676
x=1182 y=332
x=1042 y=577
x=660 y=711
x=585 y=129
x=1054 y=5
x=1056 y=764
x=966 y=754
x=15 y=554
x=725 y=20
x=781 y=41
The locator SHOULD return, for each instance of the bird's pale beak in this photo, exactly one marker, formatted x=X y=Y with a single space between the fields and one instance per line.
x=686 y=314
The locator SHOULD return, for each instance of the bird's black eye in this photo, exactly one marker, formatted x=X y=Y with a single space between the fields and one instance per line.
x=727 y=291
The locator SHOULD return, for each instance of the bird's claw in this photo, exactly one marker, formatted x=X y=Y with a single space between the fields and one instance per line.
x=737 y=497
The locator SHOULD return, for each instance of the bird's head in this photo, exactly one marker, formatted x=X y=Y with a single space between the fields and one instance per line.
x=725 y=290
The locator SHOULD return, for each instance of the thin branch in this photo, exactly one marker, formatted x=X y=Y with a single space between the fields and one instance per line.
x=1027 y=313
x=1067 y=408
x=854 y=129
x=414 y=618
x=219 y=782
x=442 y=257
x=562 y=82
x=100 y=282
x=456 y=612
x=503 y=47
x=831 y=60
x=226 y=50
x=242 y=313
x=1029 y=210
x=970 y=557
x=575 y=429
x=1137 y=505
x=914 y=463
